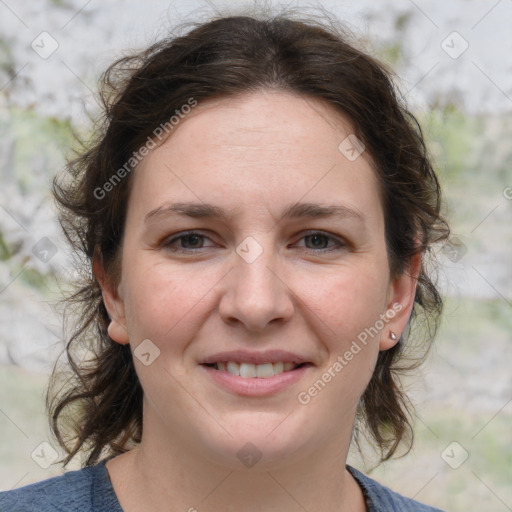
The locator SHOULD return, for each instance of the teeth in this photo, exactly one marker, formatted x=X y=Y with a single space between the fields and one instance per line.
x=264 y=370
x=249 y=370
x=278 y=368
x=233 y=368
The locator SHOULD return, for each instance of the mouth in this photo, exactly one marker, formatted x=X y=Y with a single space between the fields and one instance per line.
x=255 y=374
x=258 y=371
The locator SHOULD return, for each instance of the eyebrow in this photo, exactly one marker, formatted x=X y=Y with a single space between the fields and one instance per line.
x=207 y=210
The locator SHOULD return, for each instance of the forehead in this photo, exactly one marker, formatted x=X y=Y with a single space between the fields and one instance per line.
x=257 y=149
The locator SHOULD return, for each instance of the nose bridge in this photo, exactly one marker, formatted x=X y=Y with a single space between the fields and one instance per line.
x=253 y=267
x=256 y=294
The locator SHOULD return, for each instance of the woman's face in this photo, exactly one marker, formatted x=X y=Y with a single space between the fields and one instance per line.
x=303 y=295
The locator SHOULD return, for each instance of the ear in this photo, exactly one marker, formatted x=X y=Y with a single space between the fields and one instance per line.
x=112 y=300
x=401 y=294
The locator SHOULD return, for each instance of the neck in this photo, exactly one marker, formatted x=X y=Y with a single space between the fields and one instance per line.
x=156 y=475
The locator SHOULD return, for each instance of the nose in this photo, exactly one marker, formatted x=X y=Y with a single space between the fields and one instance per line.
x=256 y=293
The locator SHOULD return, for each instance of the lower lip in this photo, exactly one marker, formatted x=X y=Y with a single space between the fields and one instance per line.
x=256 y=386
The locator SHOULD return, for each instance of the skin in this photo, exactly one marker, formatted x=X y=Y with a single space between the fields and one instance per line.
x=253 y=155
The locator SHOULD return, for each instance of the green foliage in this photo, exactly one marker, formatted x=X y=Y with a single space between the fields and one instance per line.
x=392 y=54
x=5 y=253
x=469 y=147
x=5 y=56
x=34 y=278
x=402 y=21
x=41 y=144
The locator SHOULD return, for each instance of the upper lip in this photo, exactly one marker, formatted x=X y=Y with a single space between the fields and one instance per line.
x=244 y=356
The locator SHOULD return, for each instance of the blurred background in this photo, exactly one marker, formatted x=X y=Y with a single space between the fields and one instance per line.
x=454 y=60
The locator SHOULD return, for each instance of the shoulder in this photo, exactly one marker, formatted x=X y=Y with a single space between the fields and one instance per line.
x=383 y=499
x=84 y=490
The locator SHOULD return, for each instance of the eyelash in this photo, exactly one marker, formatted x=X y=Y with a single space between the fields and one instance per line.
x=339 y=243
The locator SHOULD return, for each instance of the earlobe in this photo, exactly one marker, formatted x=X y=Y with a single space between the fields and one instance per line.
x=402 y=294
x=113 y=302
x=118 y=332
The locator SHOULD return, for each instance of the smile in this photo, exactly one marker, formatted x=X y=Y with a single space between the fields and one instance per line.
x=255 y=380
x=249 y=370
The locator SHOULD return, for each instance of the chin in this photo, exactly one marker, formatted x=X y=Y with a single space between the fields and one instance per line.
x=259 y=441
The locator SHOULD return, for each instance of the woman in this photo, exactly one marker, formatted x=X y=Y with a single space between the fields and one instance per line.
x=255 y=216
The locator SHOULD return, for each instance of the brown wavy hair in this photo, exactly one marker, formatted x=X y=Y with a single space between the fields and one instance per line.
x=97 y=410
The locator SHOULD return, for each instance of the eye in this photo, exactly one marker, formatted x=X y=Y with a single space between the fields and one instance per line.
x=190 y=242
x=318 y=239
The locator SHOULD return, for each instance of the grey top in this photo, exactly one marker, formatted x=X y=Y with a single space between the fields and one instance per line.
x=90 y=490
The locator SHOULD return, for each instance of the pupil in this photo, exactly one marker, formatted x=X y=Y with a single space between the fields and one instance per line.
x=193 y=238
x=317 y=238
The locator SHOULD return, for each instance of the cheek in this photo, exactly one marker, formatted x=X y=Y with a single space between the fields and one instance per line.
x=348 y=307
x=347 y=301
x=164 y=303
